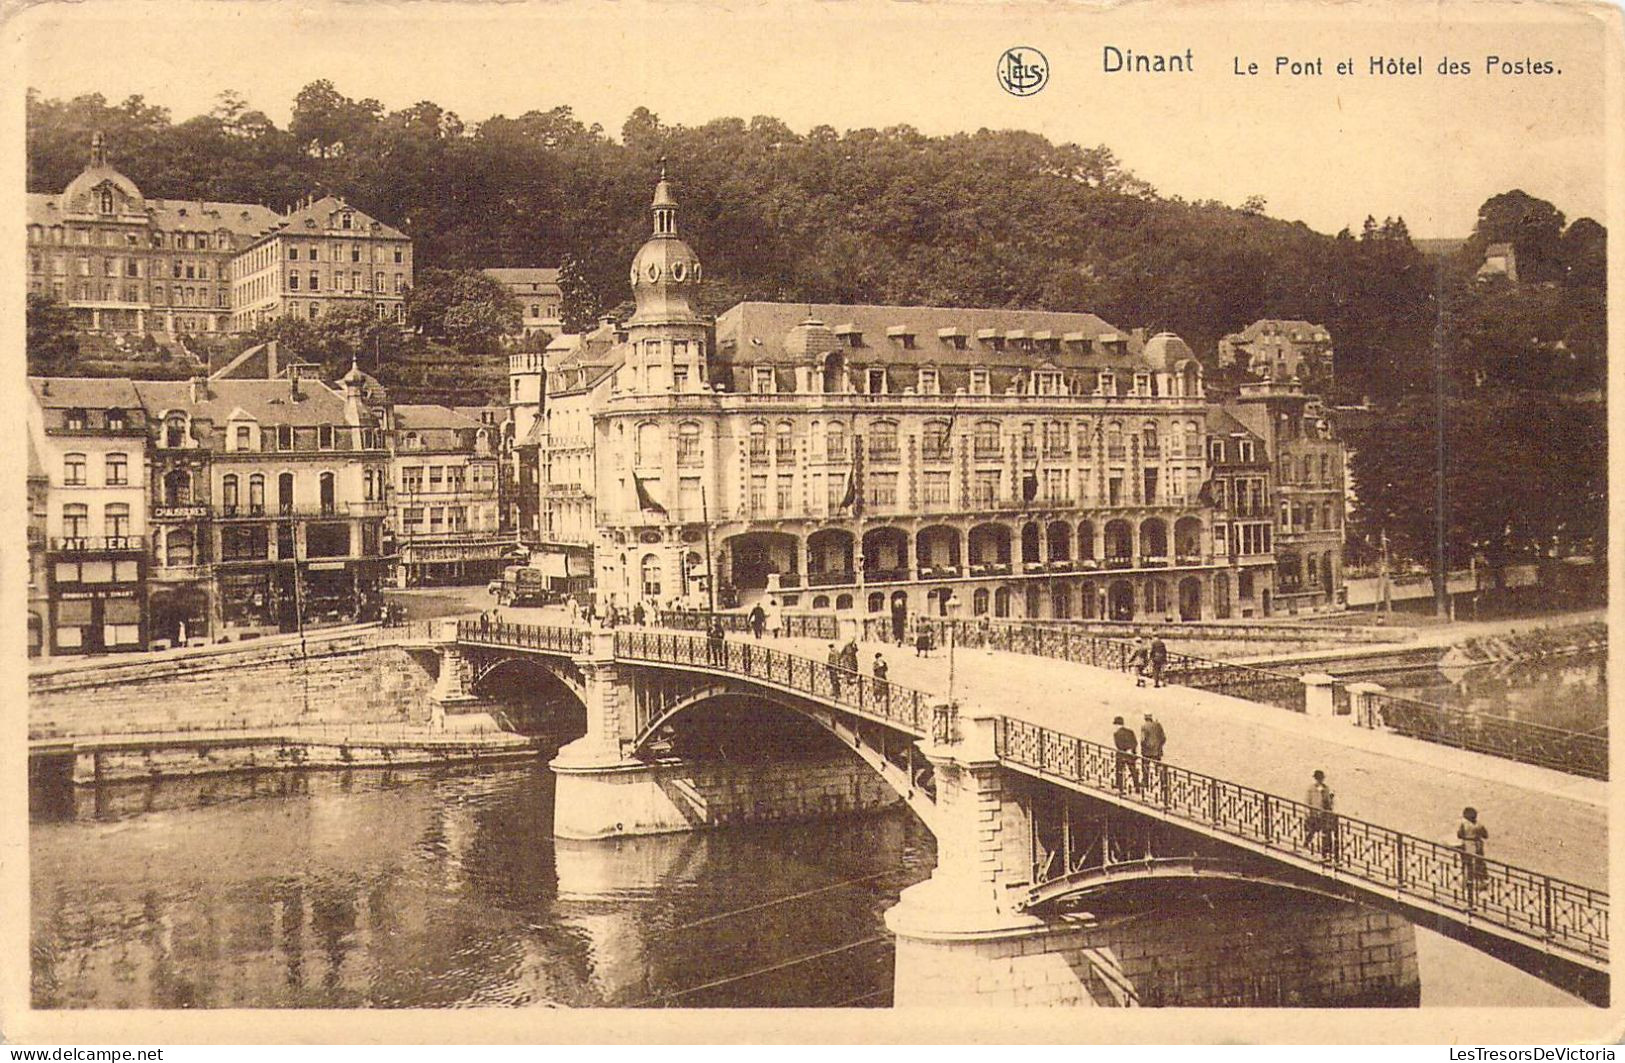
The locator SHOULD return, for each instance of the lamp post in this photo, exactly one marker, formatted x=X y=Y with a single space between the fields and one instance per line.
x=952 y=606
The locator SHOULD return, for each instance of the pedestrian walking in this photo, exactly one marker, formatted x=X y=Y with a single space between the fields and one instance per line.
x=773 y=616
x=882 y=688
x=1124 y=740
x=757 y=620
x=716 y=642
x=849 y=655
x=922 y=639
x=834 y=670
x=1139 y=659
x=899 y=621
x=1320 y=824
x=1159 y=659
x=637 y=614
x=1152 y=741
x=1471 y=834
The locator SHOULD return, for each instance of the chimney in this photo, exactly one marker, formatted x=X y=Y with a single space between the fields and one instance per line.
x=200 y=389
x=271 y=372
x=1138 y=334
x=45 y=387
x=293 y=382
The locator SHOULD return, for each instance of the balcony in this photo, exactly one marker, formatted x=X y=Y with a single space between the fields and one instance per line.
x=884 y=454
x=990 y=568
x=938 y=454
x=988 y=452
x=939 y=572
x=1119 y=562
x=885 y=575
x=85 y=544
x=789 y=580
x=830 y=579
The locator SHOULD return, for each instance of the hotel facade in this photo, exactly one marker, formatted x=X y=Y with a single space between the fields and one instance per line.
x=883 y=459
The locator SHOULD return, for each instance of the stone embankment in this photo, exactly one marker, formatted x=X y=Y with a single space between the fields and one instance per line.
x=345 y=699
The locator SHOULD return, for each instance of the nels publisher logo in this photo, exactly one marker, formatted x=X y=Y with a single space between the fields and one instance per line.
x=1023 y=71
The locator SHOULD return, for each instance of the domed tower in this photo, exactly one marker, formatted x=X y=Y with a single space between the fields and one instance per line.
x=665 y=335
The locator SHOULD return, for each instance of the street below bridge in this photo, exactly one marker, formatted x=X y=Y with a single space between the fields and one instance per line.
x=1538 y=818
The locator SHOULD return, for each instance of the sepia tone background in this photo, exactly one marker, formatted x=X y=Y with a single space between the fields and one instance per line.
x=1325 y=150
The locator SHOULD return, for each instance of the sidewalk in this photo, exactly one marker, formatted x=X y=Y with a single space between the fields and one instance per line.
x=1541 y=819
x=1442 y=637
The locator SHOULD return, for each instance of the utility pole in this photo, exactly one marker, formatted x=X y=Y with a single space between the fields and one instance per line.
x=1441 y=588
x=710 y=568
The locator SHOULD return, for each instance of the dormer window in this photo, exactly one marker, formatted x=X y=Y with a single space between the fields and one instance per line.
x=1048 y=382
x=324 y=437
x=1245 y=447
x=901 y=335
x=106 y=200
x=762 y=382
x=1142 y=383
x=1107 y=385
x=876 y=380
x=75 y=420
x=116 y=421
x=929 y=383
x=979 y=382
x=346 y=220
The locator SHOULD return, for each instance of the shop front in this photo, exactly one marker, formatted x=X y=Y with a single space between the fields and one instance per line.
x=178 y=614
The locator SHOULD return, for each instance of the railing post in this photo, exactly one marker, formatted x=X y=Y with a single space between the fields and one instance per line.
x=1399 y=861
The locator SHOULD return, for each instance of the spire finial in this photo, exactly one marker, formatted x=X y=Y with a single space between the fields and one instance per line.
x=98 y=149
x=662 y=167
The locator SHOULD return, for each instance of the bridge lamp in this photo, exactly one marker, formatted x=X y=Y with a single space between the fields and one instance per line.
x=952 y=605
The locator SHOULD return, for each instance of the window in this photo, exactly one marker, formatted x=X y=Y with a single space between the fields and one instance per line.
x=76 y=520
x=284 y=492
x=325 y=487
x=116 y=523
x=985 y=487
x=649 y=574
x=935 y=485
x=935 y=442
x=784 y=493
x=454 y=477
x=1106 y=384
x=293 y=280
x=241 y=437
x=399 y=256
x=315 y=278
x=784 y=443
x=758 y=443
x=1246 y=451
x=412 y=479
x=228 y=492
x=1048 y=383
x=118 y=470
x=929 y=383
x=876 y=380
x=324 y=437
x=1057 y=485
x=758 y=496
x=256 y=494
x=835 y=442
x=73 y=470
x=400 y=283
x=987 y=439
x=762 y=380
x=1055 y=439
x=1150 y=445
x=979 y=382
x=437 y=478
x=378 y=286
x=75 y=420
x=882 y=490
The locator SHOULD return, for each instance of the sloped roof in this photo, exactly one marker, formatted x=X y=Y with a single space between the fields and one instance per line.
x=86 y=393
x=524 y=275
x=36 y=468
x=317 y=219
x=246 y=220
x=1221 y=423
x=1284 y=326
x=270 y=402
x=427 y=416
x=755 y=332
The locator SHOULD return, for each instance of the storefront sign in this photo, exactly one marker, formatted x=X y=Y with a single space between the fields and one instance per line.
x=180 y=512
x=324 y=566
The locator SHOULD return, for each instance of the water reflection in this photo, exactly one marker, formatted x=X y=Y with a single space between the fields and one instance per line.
x=447 y=889
x=1567 y=692
x=444 y=890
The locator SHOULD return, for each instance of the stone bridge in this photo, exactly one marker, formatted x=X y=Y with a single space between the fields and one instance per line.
x=1029 y=819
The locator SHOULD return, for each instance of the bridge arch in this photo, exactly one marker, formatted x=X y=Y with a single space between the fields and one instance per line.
x=907 y=783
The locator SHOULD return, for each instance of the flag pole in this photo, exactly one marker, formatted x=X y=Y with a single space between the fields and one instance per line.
x=710 y=570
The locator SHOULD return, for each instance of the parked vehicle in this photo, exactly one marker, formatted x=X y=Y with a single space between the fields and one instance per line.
x=522 y=586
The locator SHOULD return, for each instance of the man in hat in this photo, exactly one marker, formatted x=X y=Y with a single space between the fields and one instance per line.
x=1124 y=740
x=1320 y=823
x=1152 y=739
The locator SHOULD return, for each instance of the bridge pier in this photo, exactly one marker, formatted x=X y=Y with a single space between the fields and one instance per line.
x=602 y=791
x=453 y=705
x=963 y=939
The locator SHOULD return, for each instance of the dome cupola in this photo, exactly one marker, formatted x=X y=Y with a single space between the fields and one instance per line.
x=665 y=271
x=810 y=340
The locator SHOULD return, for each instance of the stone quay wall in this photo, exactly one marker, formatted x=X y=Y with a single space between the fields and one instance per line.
x=1296 y=954
x=340 y=681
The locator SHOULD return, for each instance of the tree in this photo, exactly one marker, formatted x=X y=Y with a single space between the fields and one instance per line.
x=52 y=340
x=1532 y=226
x=1583 y=252
x=578 y=304
x=466 y=308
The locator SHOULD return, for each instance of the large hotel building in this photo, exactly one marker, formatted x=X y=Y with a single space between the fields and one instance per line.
x=884 y=458
x=124 y=263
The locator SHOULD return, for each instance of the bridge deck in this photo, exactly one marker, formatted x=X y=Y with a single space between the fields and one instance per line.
x=1537 y=818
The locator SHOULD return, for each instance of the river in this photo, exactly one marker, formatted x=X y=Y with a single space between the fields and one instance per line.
x=447 y=889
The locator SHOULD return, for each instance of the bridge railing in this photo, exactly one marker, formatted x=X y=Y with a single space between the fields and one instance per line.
x=1575 y=752
x=1066 y=643
x=1549 y=910
x=574 y=641
x=795 y=625
x=908 y=709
